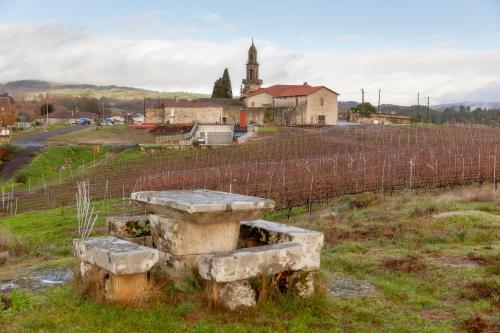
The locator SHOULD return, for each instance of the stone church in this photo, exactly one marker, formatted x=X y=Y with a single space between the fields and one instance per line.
x=290 y=104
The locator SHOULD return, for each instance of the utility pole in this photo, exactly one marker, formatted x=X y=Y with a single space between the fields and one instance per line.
x=46 y=111
x=102 y=110
x=428 y=109
x=378 y=104
x=362 y=101
x=418 y=105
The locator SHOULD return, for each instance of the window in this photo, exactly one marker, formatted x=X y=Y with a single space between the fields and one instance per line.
x=251 y=74
x=224 y=120
x=321 y=101
x=253 y=103
x=322 y=120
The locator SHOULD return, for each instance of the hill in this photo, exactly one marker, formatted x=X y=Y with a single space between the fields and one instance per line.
x=471 y=105
x=32 y=89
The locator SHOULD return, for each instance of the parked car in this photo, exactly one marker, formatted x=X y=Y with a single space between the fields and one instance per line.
x=84 y=121
x=108 y=122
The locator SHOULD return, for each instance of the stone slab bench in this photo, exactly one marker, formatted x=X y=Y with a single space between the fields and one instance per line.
x=116 y=270
x=115 y=255
x=257 y=261
x=273 y=233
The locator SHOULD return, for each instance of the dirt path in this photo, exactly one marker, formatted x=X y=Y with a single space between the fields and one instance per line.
x=30 y=146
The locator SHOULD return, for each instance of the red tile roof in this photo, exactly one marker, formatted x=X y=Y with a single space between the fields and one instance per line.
x=288 y=90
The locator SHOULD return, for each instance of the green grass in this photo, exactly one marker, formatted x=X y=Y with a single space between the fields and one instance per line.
x=391 y=242
x=38 y=130
x=116 y=134
x=57 y=163
x=267 y=129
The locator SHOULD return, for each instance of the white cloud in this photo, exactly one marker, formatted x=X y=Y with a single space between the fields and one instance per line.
x=349 y=38
x=53 y=52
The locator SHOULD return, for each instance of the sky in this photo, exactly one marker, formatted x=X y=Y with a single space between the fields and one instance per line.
x=448 y=50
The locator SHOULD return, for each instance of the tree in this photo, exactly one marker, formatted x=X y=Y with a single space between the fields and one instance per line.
x=44 y=107
x=364 y=109
x=222 y=86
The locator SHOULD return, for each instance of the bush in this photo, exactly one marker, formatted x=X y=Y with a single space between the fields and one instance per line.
x=21 y=177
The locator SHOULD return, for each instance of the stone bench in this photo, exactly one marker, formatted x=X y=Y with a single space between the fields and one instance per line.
x=118 y=268
x=290 y=253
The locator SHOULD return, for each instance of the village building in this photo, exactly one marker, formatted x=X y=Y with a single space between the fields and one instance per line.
x=284 y=105
x=288 y=104
x=297 y=104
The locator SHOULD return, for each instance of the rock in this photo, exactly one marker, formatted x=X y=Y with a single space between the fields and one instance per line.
x=236 y=295
x=4 y=256
x=273 y=233
x=301 y=283
x=203 y=206
x=341 y=286
x=177 y=267
x=258 y=261
x=121 y=226
x=186 y=238
x=115 y=255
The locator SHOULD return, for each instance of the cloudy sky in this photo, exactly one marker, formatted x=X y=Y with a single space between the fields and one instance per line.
x=446 y=49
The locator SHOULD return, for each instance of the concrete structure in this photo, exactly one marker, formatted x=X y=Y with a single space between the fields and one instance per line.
x=252 y=81
x=296 y=104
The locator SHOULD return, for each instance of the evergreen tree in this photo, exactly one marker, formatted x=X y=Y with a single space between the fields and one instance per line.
x=222 y=86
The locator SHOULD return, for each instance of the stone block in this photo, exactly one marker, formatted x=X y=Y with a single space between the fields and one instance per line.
x=104 y=285
x=122 y=226
x=117 y=256
x=176 y=267
x=235 y=295
x=203 y=206
x=267 y=232
x=186 y=238
x=258 y=261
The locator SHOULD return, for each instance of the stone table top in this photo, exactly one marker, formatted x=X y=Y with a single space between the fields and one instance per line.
x=207 y=206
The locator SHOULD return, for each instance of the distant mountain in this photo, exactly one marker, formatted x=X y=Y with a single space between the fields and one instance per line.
x=31 y=89
x=472 y=105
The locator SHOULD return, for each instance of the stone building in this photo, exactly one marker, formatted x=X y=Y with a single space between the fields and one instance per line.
x=296 y=104
x=286 y=105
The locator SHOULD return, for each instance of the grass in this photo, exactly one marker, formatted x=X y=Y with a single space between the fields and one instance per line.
x=38 y=130
x=116 y=134
x=267 y=129
x=394 y=243
x=57 y=163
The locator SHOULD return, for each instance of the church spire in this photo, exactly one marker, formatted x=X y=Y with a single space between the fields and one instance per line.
x=252 y=81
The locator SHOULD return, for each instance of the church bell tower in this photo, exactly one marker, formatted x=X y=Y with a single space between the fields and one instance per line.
x=252 y=81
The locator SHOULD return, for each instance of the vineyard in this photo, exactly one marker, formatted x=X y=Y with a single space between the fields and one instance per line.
x=295 y=170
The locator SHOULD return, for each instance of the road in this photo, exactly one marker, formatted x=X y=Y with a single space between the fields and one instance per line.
x=30 y=146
